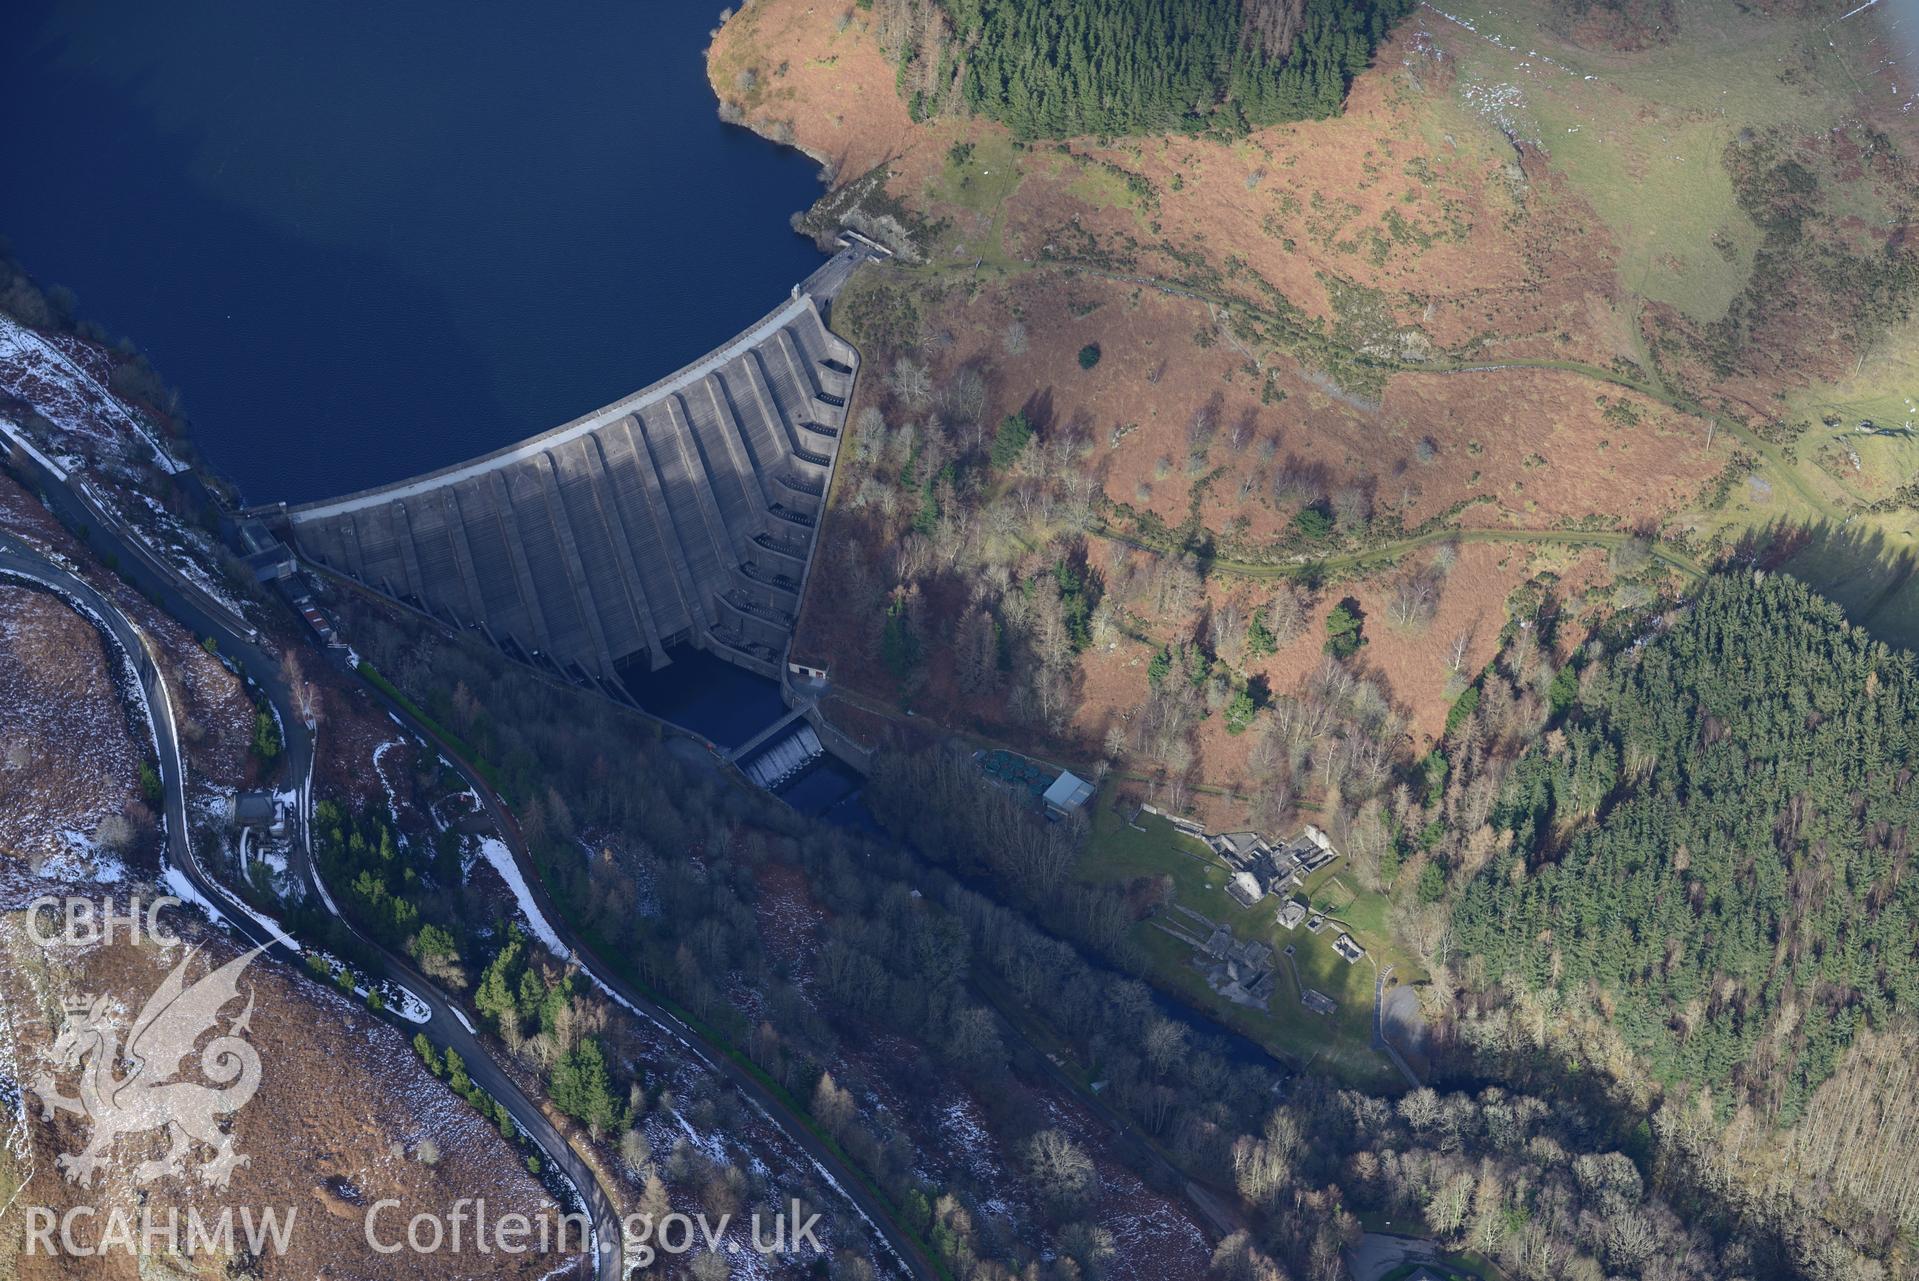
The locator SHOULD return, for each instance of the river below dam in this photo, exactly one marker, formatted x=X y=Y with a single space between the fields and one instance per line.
x=366 y=241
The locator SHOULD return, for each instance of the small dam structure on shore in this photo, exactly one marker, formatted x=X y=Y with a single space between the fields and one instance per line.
x=683 y=515
x=784 y=758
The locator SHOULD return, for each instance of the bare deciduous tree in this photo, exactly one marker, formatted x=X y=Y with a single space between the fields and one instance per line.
x=115 y=834
x=1203 y=424
x=965 y=403
x=1063 y=1173
x=911 y=382
x=833 y=1107
x=869 y=434
x=1414 y=598
x=976 y=653
x=1456 y=652
x=306 y=697
x=1239 y=1258
x=1287 y=615
x=1245 y=427
x=1227 y=629
x=1352 y=508
x=1178 y=762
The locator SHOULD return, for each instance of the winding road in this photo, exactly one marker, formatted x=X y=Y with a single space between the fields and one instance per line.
x=190 y=605
x=906 y=1248
x=444 y=1026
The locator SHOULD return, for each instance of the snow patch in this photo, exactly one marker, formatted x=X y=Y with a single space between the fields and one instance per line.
x=398 y=997
x=500 y=858
x=184 y=889
x=82 y=861
x=67 y=395
x=386 y=784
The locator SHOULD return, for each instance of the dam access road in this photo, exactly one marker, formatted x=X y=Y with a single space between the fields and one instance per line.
x=444 y=1025
x=205 y=616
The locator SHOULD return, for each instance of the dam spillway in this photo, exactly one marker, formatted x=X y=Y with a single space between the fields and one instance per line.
x=683 y=514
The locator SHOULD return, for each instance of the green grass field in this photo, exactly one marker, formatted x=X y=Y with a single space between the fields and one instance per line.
x=1642 y=135
x=1340 y=1044
x=984 y=179
x=1100 y=187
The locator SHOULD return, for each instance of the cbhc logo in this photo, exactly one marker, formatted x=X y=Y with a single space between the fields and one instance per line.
x=84 y=921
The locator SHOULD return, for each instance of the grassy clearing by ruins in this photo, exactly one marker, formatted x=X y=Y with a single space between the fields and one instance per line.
x=1642 y=135
x=1883 y=387
x=979 y=175
x=1340 y=1044
x=1883 y=390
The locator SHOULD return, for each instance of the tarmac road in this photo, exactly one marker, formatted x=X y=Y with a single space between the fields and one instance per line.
x=1380 y=979
x=187 y=604
x=444 y=1027
x=903 y=1247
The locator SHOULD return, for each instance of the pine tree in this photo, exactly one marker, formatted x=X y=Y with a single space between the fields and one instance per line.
x=1057 y=68
x=1714 y=836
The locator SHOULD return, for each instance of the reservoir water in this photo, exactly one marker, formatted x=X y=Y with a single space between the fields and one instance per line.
x=369 y=240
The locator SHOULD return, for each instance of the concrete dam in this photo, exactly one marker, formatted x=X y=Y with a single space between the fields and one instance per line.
x=683 y=514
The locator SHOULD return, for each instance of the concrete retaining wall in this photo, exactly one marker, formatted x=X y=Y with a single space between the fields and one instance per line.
x=684 y=513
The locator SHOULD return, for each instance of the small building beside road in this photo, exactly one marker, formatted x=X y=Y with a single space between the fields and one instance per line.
x=262 y=811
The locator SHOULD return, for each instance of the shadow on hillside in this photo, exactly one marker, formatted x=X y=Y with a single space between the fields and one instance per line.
x=1860 y=569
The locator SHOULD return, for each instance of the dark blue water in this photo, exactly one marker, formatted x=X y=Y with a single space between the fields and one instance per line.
x=698 y=691
x=831 y=789
x=369 y=239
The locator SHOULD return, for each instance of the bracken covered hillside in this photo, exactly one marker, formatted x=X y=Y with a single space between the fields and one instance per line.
x=1560 y=285
x=345 y=1116
x=69 y=769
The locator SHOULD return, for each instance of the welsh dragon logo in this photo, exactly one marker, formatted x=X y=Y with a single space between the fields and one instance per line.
x=148 y=1095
